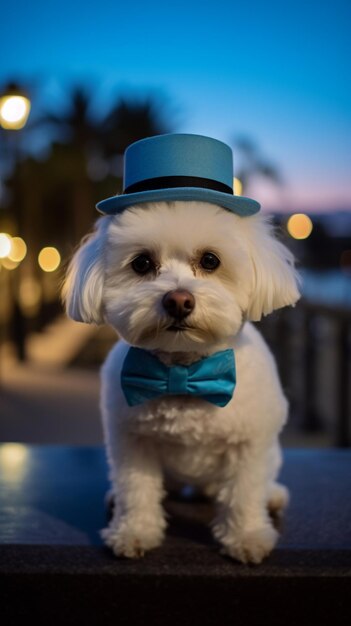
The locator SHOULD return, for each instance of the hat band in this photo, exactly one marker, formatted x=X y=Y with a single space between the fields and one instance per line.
x=168 y=182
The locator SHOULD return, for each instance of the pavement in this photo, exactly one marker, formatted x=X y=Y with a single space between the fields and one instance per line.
x=43 y=401
x=42 y=406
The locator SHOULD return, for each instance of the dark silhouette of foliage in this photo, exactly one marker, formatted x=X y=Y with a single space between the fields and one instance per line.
x=83 y=163
x=76 y=124
x=254 y=164
x=129 y=121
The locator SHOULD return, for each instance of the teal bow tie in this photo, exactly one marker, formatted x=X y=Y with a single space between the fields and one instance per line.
x=144 y=377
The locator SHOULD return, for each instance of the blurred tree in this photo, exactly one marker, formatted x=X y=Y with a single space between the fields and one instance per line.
x=83 y=163
x=81 y=166
x=80 y=136
x=76 y=124
x=129 y=121
x=92 y=161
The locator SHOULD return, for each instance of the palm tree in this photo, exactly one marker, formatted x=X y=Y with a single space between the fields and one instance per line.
x=76 y=124
x=130 y=120
x=59 y=191
x=87 y=141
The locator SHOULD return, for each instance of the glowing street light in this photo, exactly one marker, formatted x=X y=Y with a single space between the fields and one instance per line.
x=299 y=226
x=14 y=112
x=5 y=245
x=14 y=108
x=8 y=264
x=237 y=186
x=49 y=259
x=12 y=250
x=18 y=249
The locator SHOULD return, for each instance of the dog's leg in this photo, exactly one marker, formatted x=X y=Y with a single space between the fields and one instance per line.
x=278 y=495
x=243 y=525
x=138 y=521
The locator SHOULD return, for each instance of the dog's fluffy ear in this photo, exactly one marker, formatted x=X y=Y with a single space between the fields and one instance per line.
x=275 y=280
x=83 y=286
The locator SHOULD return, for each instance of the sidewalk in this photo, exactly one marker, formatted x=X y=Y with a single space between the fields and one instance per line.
x=44 y=401
x=41 y=406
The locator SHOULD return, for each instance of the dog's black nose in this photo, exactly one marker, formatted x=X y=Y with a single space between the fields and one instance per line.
x=178 y=303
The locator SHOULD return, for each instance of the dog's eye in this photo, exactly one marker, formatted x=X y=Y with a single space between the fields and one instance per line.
x=142 y=264
x=209 y=261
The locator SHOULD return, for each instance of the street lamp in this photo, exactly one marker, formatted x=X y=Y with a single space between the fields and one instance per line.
x=14 y=108
x=14 y=111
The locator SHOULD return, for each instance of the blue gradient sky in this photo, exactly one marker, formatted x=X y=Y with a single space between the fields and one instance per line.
x=275 y=71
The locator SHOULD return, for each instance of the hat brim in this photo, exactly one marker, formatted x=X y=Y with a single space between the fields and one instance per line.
x=236 y=204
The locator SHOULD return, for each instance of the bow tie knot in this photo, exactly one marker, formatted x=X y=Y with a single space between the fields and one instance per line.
x=145 y=377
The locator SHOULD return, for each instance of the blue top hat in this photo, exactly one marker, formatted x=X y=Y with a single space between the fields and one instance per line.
x=179 y=167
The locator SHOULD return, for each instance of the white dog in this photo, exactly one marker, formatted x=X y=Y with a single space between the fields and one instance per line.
x=182 y=280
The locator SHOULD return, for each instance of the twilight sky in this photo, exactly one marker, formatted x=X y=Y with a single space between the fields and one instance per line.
x=277 y=72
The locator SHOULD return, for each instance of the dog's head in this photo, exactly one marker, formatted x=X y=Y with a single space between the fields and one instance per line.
x=179 y=276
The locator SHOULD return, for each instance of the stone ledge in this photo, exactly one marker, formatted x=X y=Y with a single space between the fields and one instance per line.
x=53 y=565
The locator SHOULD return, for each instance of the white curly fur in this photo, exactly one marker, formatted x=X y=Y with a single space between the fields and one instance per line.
x=232 y=453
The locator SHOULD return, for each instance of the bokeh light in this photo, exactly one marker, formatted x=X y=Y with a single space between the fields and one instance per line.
x=5 y=245
x=14 y=458
x=49 y=259
x=8 y=264
x=18 y=249
x=299 y=226
x=14 y=111
x=237 y=186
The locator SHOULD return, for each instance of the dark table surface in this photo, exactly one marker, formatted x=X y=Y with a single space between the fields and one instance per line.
x=52 y=508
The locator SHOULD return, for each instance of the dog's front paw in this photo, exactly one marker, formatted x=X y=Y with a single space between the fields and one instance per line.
x=278 y=499
x=124 y=540
x=252 y=546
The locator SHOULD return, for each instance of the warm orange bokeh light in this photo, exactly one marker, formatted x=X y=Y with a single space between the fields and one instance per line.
x=14 y=111
x=18 y=249
x=8 y=264
x=49 y=259
x=299 y=226
x=237 y=186
x=5 y=245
